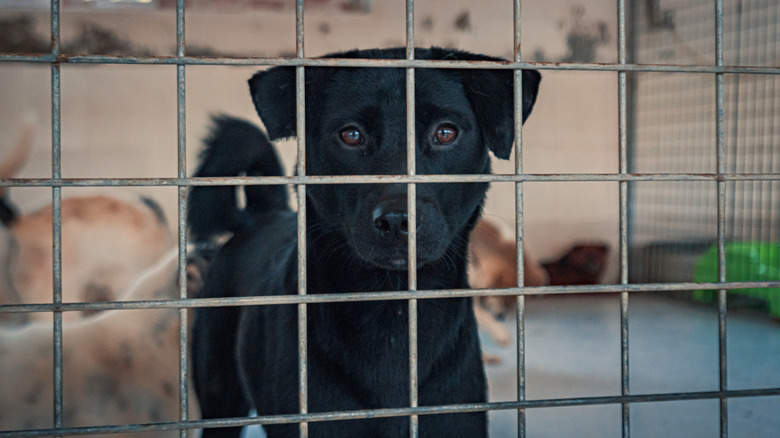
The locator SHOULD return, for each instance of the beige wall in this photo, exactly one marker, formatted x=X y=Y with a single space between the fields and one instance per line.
x=120 y=121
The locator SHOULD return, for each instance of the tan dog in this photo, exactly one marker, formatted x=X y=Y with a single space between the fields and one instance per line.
x=106 y=242
x=493 y=265
x=119 y=366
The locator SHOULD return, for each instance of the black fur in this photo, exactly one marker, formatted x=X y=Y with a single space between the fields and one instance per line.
x=235 y=147
x=9 y=214
x=155 y=207
x=357 y=352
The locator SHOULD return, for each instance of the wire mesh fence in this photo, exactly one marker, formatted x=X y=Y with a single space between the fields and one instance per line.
x=698 y=166
x=675 y=129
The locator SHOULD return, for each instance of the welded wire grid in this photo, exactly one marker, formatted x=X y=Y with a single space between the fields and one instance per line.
x=675 y=119
x=727 y=166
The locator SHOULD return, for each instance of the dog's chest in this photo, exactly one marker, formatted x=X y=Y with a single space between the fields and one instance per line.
x=369 y=345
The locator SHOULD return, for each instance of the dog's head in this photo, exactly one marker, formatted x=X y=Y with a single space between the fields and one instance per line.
x=356 y=125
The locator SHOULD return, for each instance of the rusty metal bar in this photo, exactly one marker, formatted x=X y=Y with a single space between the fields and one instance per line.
x=299 y=37
x=382 y=179
x=56 y=171
x=385 y=295
x=397 y=412
x=181 y=120
x=722 y=217
x=385 y=63
x=625 y=386
x=411 y=209
x=519 y=261
x=300 y=113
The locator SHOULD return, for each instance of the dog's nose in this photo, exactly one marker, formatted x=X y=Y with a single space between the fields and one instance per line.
x=389 y=223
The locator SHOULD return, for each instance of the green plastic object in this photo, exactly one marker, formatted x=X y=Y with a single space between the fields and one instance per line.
x=745 y=261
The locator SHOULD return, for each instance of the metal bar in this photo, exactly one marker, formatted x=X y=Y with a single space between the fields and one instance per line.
x=411 y=209
x=299 y=37
x=721 y=187
x=386 y=63
x=625 y=387
x=382 y=179
x=385 y=295
x=519 y=262
x=300 y=114
x=56 y=171
x=396 y=412
x=181 y=120
x=57 y=299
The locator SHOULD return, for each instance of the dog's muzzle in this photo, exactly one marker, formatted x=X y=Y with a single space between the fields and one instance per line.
x=391 y=223
x=385 y=232
x=391 y=227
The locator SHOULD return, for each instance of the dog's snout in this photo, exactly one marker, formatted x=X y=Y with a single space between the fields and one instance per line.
x=390 y=222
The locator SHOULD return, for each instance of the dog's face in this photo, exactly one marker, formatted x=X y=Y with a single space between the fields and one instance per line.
x=356 y=125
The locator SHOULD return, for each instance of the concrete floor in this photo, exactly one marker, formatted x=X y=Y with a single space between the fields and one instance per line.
x=573 y=350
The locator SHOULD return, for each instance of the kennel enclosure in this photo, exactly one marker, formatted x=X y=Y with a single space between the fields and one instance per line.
x=698 y=168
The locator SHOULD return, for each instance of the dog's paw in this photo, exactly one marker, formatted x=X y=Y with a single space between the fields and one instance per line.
x=491 y=359
x=501 y=336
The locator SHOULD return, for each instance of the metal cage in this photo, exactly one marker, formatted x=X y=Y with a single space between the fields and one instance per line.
x=717 y=171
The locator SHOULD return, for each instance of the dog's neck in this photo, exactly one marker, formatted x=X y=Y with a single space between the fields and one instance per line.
x=336 y=274
x=441 y=319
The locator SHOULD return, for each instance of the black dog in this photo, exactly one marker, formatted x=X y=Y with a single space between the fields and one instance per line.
x=356 y=241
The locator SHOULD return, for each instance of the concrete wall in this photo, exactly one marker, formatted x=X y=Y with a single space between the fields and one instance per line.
x=120 y=121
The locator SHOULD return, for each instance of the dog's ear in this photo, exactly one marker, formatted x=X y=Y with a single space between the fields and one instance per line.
x=273 y=93
x=491 y=93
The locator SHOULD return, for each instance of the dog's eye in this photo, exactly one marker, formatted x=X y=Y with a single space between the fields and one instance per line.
x=352 y=137
x=445 y=134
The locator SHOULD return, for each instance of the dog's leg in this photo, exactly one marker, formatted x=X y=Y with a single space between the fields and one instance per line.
x=215 y=369
x=497 y=330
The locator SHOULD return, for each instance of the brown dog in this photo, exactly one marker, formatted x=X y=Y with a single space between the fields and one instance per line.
x=119 y=366
x=106 y=242
x=492 y=264
x=584 y=263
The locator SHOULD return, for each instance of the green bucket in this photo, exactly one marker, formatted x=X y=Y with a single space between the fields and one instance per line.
x=745 y=261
